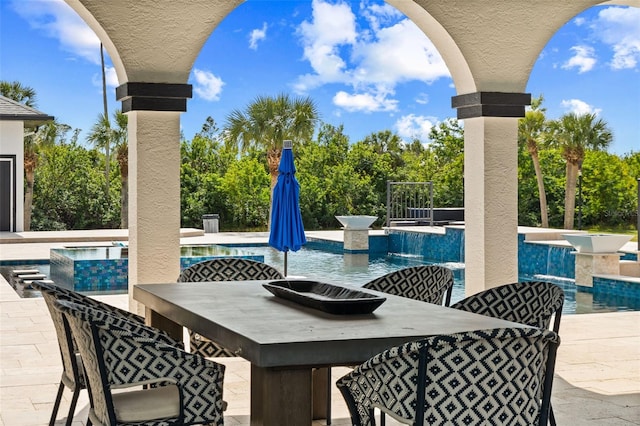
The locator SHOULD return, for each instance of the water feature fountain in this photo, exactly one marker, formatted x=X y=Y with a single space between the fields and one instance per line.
x=596 y=254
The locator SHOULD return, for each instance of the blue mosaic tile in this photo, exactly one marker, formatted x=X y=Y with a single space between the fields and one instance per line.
x=104 y=275
x=545 y=259
x=447 y=247
x=378 y=244
x=24 y=262
x=616 y=287
x=325 y=245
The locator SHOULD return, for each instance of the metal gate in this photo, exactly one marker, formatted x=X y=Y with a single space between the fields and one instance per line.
x=409 y=203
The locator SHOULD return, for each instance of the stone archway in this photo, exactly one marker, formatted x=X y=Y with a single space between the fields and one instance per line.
x=489 y=46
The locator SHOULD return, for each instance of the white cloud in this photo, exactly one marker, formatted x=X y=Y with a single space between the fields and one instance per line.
x=583 y=59
x=372 y=62
x=207 y=85
x=579 y=21
x=257 y=35
x=422 y=99
x=619 y=27
x=415 y=127
x=400 y=53
x=365 y=102
x=111 y=78
x=58 y=20
x=379 y=14
x=332 y=26
x=579 y=107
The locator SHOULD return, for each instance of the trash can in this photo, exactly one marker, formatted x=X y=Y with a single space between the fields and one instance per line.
x=210 y=222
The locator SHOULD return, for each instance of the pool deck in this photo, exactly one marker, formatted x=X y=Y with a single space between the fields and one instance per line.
x=597 y=379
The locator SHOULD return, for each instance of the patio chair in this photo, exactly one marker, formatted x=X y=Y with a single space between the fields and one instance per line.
x=137 y=379
x=533 y=303
x=427 y=283
x=498 y=376
x=72 y=367
x=223 y=269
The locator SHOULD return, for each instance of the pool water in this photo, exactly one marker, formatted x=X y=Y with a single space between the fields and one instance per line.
x=121 y=251
x=356 y=270
x=342 y=269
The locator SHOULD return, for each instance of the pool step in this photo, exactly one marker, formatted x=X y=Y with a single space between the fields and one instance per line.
x=28 y=277
x=26 y=284
x=16 y=273
x=22 y=279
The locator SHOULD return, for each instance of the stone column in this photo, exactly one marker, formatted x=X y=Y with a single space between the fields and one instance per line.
x=588 y=264
x=154 y=181
x=356 y=247
x=491 y=186
x=356 y=241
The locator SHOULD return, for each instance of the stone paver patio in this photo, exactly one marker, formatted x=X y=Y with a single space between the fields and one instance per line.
x=597 y=372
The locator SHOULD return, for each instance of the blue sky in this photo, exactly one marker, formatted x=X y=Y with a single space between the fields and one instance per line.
x=363 y=62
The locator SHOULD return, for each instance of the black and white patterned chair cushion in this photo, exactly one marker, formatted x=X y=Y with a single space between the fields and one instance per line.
x=73 y=373
x=117 y=358
x=533 y=303
x=72 y=370
x=66 y=294
x=223 y=269
x=486 y=377
x=428 y=283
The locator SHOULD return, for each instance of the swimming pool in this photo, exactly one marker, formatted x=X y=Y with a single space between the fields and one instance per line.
x=347 y=269
x=357 y=269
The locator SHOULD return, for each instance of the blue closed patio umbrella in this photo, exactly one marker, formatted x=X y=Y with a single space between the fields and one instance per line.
x=287 y=230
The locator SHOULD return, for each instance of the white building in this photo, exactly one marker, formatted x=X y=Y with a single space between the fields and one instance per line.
x=16 y=120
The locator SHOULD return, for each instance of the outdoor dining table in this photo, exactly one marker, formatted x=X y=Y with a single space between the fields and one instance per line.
x=285 y=341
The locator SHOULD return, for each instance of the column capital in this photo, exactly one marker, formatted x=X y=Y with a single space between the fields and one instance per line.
x=138 y=96
x=491 y=104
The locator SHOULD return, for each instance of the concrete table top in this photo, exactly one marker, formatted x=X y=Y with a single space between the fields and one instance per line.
x=272 y=332
x=289 y=345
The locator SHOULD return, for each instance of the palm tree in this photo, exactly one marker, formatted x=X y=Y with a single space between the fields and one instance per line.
x=267 y=122
x=35 y=145
x=16 y=91
x=574 y=134
x=103 y=135
x=531 y=130
x=107 y=145
x=121 y=145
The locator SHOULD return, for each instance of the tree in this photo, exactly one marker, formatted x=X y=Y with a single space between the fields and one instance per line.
x=267 y=122
x=121 y=148
x=204 y=161
x=323 y=177
x=103 y=136
x=69 y=190
x=531 y=130
x=105 y=112
x=574 y=134
x=447 y=149
x=245 y=187
x=16 y=91
x=35 y=147
x=609 y=190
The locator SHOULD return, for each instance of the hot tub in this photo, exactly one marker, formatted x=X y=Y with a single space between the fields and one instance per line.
x=106 y=268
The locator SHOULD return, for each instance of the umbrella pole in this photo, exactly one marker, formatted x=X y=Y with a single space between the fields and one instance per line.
x=285 y=263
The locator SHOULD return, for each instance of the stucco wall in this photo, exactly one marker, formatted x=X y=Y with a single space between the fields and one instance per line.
x=11 y=143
